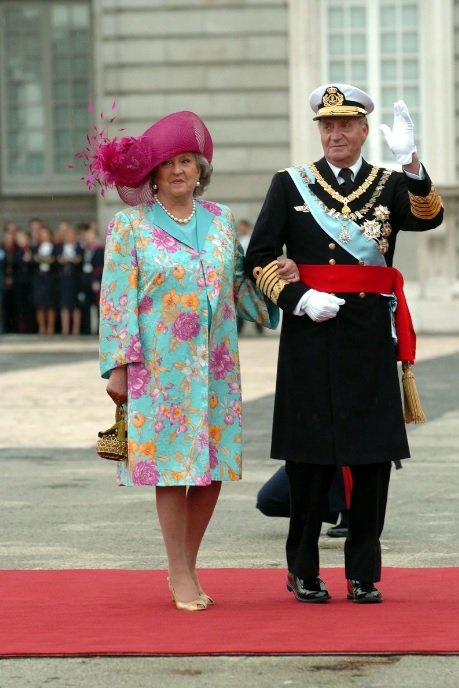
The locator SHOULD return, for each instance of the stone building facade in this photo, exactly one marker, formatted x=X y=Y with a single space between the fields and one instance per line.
x=246 y=67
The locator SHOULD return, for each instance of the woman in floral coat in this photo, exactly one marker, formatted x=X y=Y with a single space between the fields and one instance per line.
x=173 y=285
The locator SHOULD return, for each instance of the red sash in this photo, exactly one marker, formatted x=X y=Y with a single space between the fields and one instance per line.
x=347 y=482
x=367 y=278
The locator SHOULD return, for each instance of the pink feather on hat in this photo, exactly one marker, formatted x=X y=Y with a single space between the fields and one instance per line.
x=127 y=162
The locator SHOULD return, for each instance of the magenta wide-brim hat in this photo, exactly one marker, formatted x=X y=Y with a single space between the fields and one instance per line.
x=127 y=163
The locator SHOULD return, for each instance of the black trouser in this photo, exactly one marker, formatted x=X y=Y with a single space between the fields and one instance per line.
x=273 y=498
x=309 y=485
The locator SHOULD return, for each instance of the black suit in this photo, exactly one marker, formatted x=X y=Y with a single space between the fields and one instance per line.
x=337 y=396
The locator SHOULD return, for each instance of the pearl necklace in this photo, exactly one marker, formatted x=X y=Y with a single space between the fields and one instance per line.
x=177 y=219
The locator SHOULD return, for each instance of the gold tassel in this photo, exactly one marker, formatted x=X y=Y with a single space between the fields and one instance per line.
x=411 y=402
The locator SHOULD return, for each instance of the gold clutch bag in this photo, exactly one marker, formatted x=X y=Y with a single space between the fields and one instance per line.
x=112 y=443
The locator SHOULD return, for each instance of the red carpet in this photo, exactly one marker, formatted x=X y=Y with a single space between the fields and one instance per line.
x=119 y=612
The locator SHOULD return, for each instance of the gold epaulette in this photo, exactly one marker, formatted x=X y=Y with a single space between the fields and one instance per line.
x=268 y=282
x=281 y=170
x=426 y=207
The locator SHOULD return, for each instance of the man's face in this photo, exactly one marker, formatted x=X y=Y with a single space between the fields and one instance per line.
x=342 y=139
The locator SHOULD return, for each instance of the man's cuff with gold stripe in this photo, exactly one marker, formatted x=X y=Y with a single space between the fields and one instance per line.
x=268 y=282
x=426 y=207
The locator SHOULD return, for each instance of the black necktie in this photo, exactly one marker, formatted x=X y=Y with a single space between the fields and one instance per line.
x=348 y=186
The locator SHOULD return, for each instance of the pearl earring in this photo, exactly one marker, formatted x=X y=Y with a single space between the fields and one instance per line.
x=155 y=187
x=198 y=183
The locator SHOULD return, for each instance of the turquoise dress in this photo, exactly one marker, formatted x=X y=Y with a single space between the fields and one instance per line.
x=169 y=299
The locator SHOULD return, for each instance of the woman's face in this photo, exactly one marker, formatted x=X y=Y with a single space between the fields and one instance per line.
x=9 y=234
x=22 y=239
x=69 y=235
x=176 y=178
x=45 y=234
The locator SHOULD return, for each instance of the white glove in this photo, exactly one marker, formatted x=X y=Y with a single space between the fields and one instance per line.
x=400 y=138
x=319 y=305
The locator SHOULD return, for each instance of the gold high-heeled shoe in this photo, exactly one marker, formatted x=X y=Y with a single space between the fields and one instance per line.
x=205 y=598
x=197 y=605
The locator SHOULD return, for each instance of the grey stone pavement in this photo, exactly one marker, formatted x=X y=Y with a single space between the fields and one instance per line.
x=62 y=509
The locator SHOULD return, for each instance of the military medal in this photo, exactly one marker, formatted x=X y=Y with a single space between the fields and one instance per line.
x=377 y=229
x=344 y=235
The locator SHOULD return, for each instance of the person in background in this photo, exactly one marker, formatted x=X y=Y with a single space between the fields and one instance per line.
x=44 y=281
x=94 y=226
x=23 y=281
x=35 y=224
x=8 y=250
x=337 y=400
x=60 y=232
x=82 y=228
x=273 y=499
x=69 y=257
x=172 y=285
x=91 y=275
x=341 y=528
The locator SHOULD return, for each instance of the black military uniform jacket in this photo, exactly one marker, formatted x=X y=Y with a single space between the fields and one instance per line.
x=337 y=394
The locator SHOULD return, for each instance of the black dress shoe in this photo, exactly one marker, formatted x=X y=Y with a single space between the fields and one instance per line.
x=363 y=593
x=339 y=531
x=313 y=591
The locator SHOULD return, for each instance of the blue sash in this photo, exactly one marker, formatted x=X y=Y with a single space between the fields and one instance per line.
x=357 y=245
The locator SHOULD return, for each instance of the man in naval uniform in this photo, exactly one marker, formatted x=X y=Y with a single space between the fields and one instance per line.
x=345 y=325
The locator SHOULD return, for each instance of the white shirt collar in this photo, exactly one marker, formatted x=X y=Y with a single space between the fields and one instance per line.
x=355 y=168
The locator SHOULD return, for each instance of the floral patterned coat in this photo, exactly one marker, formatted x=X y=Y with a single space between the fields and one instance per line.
x=169 y=300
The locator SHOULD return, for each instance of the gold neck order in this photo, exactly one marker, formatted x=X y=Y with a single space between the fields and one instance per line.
x=345 y=200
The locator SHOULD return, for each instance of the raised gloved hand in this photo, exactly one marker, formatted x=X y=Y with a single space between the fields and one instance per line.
x=320 y=305
x=400 y=138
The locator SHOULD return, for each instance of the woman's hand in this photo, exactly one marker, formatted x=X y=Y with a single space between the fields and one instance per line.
x=117 y=385
x=288 y=270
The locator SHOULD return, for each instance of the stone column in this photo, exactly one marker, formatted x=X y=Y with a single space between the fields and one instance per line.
x=305 y=71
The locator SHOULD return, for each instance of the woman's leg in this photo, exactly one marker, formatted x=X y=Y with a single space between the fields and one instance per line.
x=200 y=505
x=76 y=321
x=65 y=321
x=184 y=515
x=41 y=320
x=50 y=320
x=171 y=506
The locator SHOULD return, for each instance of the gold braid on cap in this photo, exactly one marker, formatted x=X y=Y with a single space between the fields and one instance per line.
x=341 y=111
x=268 y=282
x=426 y=207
